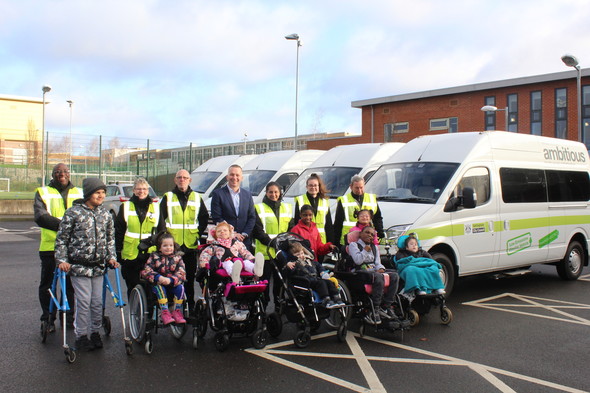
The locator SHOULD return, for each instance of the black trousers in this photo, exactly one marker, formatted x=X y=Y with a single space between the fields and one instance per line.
x=131 y=269
x=47 y=272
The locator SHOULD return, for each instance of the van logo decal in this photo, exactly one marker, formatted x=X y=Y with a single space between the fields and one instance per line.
x=519 y=243
x=478 y=228
x=563 y=154
x=467 y=229
x=545 y=240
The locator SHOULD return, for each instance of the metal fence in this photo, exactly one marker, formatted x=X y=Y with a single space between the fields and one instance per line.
x=110 y=158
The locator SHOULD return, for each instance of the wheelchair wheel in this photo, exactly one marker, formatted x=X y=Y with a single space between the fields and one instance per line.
x=201 y=316
x=414 y=318
x=148 y=346
x=178 y=331
x=302 y=339
x=274 y=324
x=446 y=315
x=335 y=318
x=70 y=355
x=259 y=338
x=221 y=341
x=106 y=325
x=342 y=332
x=137 y=313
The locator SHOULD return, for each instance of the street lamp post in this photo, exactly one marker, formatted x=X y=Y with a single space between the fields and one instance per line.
x=46 y=89
x=491 y=108
x=571 y=61
x=295 y=37
x=70 y=102
x=245 y=139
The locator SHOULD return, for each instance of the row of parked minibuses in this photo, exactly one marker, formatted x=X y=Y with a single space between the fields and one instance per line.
x=479 y=202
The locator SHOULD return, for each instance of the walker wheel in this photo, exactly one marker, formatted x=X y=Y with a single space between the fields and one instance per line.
x=446 y=315
x=106 y=325
x=44 y=331
x=259 y=338
x=414 y=318
x=128 y=347
x=362 y=329
x=342 y=332
x=70 y=355
x=221 y=341
x=148 y=347
x=302 y=339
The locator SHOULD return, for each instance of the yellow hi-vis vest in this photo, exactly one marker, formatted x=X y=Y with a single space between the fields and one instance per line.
x=137 y=231
x=320 y=217
x=350 y=205
x=183 y=224
x=272 y=226
x=55 y=206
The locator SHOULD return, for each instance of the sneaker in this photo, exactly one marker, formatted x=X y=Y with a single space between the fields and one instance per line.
x=383 y=313
x=166 y=317
x=239 y=316
x=338 y=301
x=96 y=340
x=258 y=265
x=178 y=317
x=51 y=328
x=373 y=319
x=420 y=293
x=235 y=272
x=440 y=291
x=83 y=344
x=328 y=303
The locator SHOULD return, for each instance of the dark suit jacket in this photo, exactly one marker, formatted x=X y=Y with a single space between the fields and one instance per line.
x=222 y=209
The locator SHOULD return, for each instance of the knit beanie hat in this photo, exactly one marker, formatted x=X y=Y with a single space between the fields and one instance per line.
x=90 y=185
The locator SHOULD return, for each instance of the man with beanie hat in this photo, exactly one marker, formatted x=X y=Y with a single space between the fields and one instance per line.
x=49 y=207
x=84 y=245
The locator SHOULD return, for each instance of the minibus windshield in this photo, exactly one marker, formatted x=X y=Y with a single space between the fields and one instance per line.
x=255 y=180
x=414 y=182
x=201 y=181
x=337 y=180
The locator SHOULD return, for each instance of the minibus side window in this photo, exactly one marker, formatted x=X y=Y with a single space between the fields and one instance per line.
x=568 y=186
x=478 y=179
x=520 y=185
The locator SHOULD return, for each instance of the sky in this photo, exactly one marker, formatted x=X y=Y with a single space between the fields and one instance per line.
x=207 y=72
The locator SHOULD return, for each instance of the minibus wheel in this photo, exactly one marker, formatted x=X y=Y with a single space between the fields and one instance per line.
x=570 y=267
x=447 y=274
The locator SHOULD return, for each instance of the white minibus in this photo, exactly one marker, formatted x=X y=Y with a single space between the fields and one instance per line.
x=490 y=201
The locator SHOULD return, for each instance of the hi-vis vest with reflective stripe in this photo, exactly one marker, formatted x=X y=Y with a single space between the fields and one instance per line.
x=350 y=205
x=55 y=206
x=137 y=231
x=271 y=225
x=320 y=217
x=183 y=224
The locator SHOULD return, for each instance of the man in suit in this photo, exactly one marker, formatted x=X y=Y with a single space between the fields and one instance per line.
x=235 y=206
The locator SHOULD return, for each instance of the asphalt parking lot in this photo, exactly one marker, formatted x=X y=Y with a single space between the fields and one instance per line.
x=523 y=334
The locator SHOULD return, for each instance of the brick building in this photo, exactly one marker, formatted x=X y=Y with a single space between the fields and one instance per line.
x=542 y=105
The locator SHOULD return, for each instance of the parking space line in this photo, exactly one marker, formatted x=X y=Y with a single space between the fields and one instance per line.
x=490 y=374
x=522 y=301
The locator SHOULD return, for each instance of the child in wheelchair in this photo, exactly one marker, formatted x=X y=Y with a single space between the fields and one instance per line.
x=417 y=268
x=231 y=254
x=165 y=270
x=367 y=264
x=313 y=274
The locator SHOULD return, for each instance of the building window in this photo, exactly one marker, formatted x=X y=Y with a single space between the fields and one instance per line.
x=450 y=124
x=394 y=128
x=586 y=115
x=512 y=100
x=561 y=113
x=490 y=117
x=536 y=113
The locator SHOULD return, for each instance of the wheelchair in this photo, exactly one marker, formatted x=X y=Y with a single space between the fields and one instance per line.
x=230 y=309
x=144 y=316
x=358 y=293
x=298 y=302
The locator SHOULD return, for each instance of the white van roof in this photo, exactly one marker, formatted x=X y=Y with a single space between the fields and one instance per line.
x=207 y=175
x=492 y=145
x=275 y=160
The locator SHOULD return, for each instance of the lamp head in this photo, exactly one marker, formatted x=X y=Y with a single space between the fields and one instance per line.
x=46 y=89
x=489 y=108
x=70 y=102
x=293 y=36
x=570 y=60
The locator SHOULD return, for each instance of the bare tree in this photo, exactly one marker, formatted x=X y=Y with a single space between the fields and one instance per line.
x=33 y=143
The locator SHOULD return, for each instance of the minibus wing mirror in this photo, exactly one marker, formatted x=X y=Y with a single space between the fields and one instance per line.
x=468 y=201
